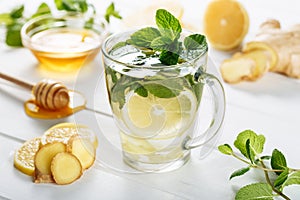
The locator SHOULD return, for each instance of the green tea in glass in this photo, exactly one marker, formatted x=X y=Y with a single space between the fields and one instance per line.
x=155 y=78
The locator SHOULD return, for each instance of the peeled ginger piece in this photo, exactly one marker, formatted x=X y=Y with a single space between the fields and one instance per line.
x=65 y=168
x=251 y=64
x=43 y=160
x=234 y=70
x=83 y=149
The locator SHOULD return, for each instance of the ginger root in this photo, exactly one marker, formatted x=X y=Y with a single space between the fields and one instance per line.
x=273 y=49
x=252 y=63
x=286 y=43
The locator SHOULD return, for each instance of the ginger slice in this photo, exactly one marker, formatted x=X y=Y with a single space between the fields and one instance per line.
x=240 y=66
x=83 y=149
x=261 y=60
x=42 y=161
x=245 y=66
x=65 y=168
x=235 y=70
x=268 y=50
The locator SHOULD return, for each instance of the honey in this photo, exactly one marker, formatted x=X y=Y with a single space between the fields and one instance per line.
x=45 y=92
x=35 y=111
x=65 y=49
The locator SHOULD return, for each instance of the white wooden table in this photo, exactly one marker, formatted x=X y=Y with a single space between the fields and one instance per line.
x=270 y=106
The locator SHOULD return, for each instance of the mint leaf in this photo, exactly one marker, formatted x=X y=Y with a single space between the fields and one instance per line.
x=259 y=191
x=239 y=172
x=6 y=19
x=118 y=91
x=278 y=161
x=281 y=178
x=140 y=90
x=118 y=96
x=144 y=37
x=250 y=154
x=13 y=36
x=256 y=142
x=168 y=57
x=197 y=86
x=17 y=12
x=160 y=90
x=83 y=5
x=160 y=43
x=225 y=149
x=194 y=41
x=111 y=12
x=59 y=4
x=112 y=74
x=42 y=10
x=170 y=54
x=167 y=88
x=294 y=178
x=89 y=23
x=119 y=45
x=167 y=24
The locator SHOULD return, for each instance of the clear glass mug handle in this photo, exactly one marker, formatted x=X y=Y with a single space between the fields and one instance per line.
x=218 y=97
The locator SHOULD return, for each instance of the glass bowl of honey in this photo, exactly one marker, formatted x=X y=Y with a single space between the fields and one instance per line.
x=64 y=42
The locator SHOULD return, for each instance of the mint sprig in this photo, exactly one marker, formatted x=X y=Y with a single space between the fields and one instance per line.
x=72 y=5
x=164 y=42
x=251 y=145
x=111 y=12
x=15 y=19
x=165 y=38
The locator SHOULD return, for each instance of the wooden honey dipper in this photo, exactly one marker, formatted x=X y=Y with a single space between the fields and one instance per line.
x=48 y=94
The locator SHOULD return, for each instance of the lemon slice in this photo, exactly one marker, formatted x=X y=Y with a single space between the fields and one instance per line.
x=136 y=146
x=64 y=131
x=226 y=23
x=24 y=156
x=160 y=117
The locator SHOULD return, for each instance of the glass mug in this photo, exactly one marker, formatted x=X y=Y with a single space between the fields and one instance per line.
x=156 y=107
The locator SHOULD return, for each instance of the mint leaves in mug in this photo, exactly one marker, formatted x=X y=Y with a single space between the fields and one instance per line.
x=165 y=38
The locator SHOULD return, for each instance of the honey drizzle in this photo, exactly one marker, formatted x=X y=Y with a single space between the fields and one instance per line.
x=34 y=110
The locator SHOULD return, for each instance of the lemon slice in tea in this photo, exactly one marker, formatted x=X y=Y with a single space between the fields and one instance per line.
x=153 y=116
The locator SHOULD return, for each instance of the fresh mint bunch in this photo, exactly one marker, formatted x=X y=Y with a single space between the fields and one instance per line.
x=165 y=38
x=251 y=146
x=15 y=19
